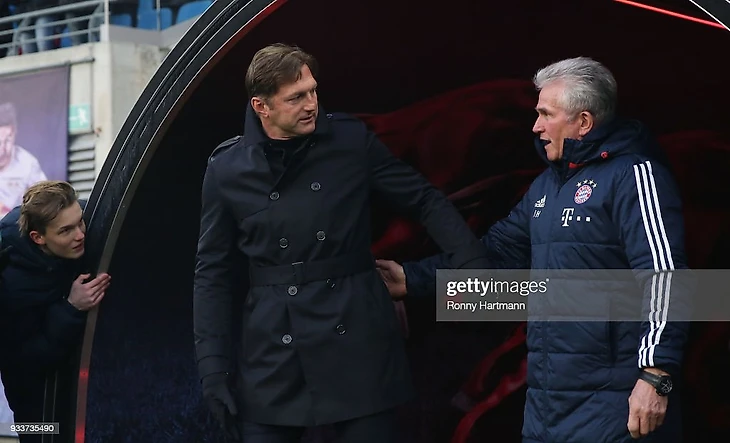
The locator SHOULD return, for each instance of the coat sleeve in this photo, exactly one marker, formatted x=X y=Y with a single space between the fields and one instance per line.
x=406 y=189
x=62 y=332
x=212 y=285
x=648 y=212
x=507 y=243
x=61 y=326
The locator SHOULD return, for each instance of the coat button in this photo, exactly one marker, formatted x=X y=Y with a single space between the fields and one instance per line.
x=330 y=283
x=274 y=196
x=292 y=290
x=283 y=242
x=320 y=235
x=340 y=329
x=286 y=339
x=315 y=186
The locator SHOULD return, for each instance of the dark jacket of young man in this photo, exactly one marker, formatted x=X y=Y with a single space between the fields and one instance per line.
x=39 y=328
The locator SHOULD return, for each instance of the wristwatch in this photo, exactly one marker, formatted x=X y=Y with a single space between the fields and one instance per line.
x=662 y=383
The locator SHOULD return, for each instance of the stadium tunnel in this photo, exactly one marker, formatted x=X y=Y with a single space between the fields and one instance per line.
x=447 y=86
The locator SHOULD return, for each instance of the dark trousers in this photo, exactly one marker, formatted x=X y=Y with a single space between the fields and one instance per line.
x=378 y=428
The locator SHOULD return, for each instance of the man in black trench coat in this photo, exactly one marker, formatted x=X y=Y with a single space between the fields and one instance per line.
x=320 y=341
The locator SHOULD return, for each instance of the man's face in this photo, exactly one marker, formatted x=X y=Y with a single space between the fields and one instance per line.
x=64 y=236
x=7 y=145
x=292 y=111
x=553 y=123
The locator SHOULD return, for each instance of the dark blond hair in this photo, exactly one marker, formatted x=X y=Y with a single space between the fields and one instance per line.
x=274 y=66
x=42 y=202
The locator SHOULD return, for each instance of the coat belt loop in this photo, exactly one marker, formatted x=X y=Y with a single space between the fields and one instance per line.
x=299 y=274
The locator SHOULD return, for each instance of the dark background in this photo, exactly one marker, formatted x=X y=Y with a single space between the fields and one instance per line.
x=447 y=86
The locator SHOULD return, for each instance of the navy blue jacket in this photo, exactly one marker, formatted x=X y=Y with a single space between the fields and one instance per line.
x=610 y=203
x=38 y=326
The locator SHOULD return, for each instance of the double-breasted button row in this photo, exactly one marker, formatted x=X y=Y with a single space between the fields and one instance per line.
x=292 y=290
x=284 y=242
x=286 y=339
x=315 y=186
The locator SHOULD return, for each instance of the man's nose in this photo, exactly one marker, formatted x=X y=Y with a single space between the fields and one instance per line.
x=80 y=234
x=537 y=127
x=311 y=103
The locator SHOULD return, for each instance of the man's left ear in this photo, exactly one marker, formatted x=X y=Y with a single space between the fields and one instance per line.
x=586 y=123
x=37 y=238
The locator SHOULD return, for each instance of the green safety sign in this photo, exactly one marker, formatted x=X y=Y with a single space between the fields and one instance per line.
x=79 y=118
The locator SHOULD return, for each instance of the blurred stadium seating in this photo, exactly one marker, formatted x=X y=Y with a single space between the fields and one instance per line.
x=66 y=24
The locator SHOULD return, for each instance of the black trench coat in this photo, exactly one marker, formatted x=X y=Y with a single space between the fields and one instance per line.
x=320 y=341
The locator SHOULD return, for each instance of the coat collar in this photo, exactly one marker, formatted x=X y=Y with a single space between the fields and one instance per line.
x=612 y=139
x=254 y=132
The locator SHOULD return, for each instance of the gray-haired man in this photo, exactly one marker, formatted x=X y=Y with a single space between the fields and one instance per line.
x=606 y=201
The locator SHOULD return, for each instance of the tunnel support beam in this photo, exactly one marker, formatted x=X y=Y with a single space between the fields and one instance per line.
x=207 y=41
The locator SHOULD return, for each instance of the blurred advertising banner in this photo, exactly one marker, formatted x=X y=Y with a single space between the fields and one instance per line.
x=33 y=131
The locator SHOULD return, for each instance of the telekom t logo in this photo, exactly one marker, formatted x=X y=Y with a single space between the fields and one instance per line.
x=567 y=216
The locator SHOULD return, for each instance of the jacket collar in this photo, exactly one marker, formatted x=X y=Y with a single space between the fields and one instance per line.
x=611 y=139
x=254 y=133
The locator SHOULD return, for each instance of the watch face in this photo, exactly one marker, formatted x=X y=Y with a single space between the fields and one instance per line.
x=665 y=385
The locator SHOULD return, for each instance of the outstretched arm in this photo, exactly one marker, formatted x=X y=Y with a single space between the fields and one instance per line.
x=408 y=190
x=507 y=246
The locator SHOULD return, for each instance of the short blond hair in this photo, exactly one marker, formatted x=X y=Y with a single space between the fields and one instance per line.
x=42 y=203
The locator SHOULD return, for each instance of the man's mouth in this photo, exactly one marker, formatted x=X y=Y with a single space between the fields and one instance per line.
x=307 y=119
x=78 y=247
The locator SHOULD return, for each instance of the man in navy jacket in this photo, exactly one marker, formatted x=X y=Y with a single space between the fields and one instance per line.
x=606 y=201
x=44 y=296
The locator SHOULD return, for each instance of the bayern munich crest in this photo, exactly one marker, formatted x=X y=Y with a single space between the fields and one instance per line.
x=584 y=192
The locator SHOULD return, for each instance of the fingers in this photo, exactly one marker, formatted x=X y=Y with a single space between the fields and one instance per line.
x=97 y=299
x=646 y=424
x=80 y=279
x=643 y=421
x=634 y=424
x=231 y=404
x=100 y=279
x=225 y=411
x=659 y=420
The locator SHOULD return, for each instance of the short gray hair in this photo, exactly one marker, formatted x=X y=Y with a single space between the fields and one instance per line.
x=589 y=86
